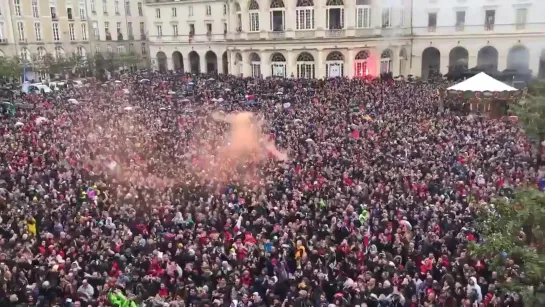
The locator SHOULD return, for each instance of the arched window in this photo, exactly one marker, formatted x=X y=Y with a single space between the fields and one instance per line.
x=334 y=65
x=239 y=17
x=305 y=66
x=25 y=55
x=278 y=65
x=59 y=52
x=360 y=64
x=41 y=52
x=253 y=11
x=363 y=14
x=255 y=62
x=278 y=16
x=304 y=15
x=334 y=14
x=386 y=62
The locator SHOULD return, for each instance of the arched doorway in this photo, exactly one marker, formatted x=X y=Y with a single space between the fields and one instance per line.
x=194 y=62
x=458 y=59
x=386 y=61
x=431 y=62
x=487 y=58
x=360 y=64
x=255 y=64
x=518 y=58
x=278 y=65
x=305 y=66
x=211 y=62
x=178 y=61
x=162 y=61
x=403 y=60
x=238 y=64
x=225 y=60
x=541 y=73
x=334 y=65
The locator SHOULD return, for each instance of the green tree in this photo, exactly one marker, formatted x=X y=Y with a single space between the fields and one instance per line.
x=530 y=113
x=130 y=59
x=10 y=68
x=513 y=243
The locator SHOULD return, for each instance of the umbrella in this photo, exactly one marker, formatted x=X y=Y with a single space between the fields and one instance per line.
x=211 y=79
x=73 y=101
x=40 y=120
x=144 y=80
x=125 y=91
x=117 y=81
x=309 y=141
x=190 y=83
x=19 y=124
x=287 y=105
x=128 y=108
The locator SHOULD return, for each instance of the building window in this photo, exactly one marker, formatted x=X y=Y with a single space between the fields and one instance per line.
x=224 y=28
x=190 y=11
x=521 y=18
x=131 y=47
x=25 y=54
x=142 y=29
x=93 y=6
x=159 y=30
x=174 y=12
x=72 y=31
x=191 y=29
x=116 y=7
x=80 y=51
x=21 y=31
x=82 y=10
x=334 y=14
x=143 y=48
x=254 y=21
x=140 y=10
x=56 y=34
x=386 y=17
x=96 y=31
x=304 y=15
x=17 y=4
x=489 y=20
x=84 y=31
x=41 y=52
x=121 y=49
x=129 y=30
x=69 y=13
x=460 y=20
x=363 y=14
x=109 y=49
x=59 y=52
x=175 y=30
x=208 y=29
x=2 y=31
x=305 y=66
x=97 y=48
x=208 y=10
x=127 y=8
x=54 y=13
x=119 y=31
x=225 y=9
x=157 y=13
x=105 y=6
x=35 y=9
x=38 y=31
x=107 y=31
x=432 y=22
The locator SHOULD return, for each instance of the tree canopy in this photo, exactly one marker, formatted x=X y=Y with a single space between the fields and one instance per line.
x=10 y=67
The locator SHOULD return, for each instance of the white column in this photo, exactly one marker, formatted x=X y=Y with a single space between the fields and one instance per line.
x=220 y=61
x=395 y=61
x=170 y=63
x=290 y=15
x=349 y=64
x=320 y=69
x=187 y=65
x=349 y=15
x=291 y=69
x=444 y=63
x=202 y=68
x=265 y=64
x=246 y=68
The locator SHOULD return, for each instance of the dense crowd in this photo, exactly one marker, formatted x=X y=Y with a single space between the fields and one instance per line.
x=115 y=194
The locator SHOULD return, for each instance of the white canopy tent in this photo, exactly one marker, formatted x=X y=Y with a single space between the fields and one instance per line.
x=482 y=83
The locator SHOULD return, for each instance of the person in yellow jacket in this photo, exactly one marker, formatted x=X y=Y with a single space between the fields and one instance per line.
x=31 y=225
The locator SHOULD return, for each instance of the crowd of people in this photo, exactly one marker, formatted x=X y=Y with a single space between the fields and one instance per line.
x=118 y=194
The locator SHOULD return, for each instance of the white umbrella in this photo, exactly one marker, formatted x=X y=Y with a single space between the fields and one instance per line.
x=128 y=108
x=19 y=124
x=73 y=101
x=310 y=141
x=220 y=99
x=171 y=92
x=279 y=93
x=287 y=105
x=117 y=81
x=125 y=91
x=211 y=79
x=40 y=120
x=144 y=80
x=214 y=99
